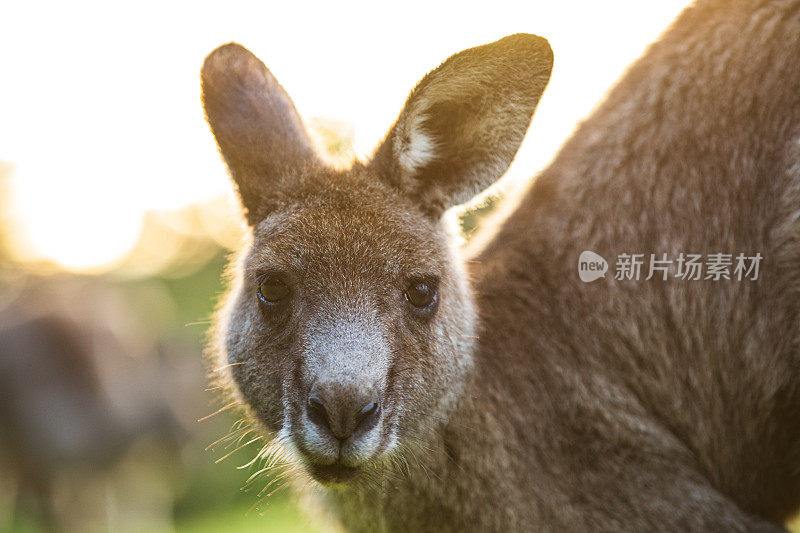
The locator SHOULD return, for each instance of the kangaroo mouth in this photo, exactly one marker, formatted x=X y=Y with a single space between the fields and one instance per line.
x=335 y=473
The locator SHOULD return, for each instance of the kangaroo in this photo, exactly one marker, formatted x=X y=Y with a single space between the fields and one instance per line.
x=65 y=423
x=425 y=390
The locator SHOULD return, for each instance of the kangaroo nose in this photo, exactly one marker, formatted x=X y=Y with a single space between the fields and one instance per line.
x=341 y=410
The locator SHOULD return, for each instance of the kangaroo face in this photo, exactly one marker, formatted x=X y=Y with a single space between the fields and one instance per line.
x=350 y=322
x=349 y=328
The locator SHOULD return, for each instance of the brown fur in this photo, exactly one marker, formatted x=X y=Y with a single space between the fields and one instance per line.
x=649 y=405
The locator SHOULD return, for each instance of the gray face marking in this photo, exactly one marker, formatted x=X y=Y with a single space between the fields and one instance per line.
x=351 y=354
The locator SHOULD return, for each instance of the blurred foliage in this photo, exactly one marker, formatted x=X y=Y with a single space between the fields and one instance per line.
x=470 y=220
x=334 y=138
x=5 y=174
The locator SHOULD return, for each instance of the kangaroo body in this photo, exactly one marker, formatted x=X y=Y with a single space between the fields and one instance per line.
x=612 y=405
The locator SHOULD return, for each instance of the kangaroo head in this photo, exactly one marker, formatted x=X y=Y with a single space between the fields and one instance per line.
x=348 y=330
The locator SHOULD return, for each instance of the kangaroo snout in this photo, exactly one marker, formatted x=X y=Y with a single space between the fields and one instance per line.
x=341 y=427
x=342 y=409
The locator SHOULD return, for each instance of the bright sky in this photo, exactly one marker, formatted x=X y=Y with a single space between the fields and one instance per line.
x=100 y=112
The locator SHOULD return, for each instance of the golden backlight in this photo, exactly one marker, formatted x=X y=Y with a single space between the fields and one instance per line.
x=100 y=115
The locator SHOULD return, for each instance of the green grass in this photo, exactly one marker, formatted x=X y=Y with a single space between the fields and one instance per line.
x=278 y=516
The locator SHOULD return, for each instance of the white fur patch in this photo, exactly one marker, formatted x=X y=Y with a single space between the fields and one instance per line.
x=414 y=148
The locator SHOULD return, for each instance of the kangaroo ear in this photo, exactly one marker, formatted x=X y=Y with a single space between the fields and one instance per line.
x=463 y=123
x=258 y=130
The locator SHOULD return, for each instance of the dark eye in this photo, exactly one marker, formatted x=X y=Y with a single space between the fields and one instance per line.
x=421 y=293
x=273 y=290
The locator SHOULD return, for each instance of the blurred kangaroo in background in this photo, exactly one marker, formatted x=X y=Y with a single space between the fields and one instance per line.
x=426 y=392
x=75 y=397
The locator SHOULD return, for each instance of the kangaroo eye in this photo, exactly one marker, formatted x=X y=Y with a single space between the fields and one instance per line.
x=272 y=291
x=421 y=293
